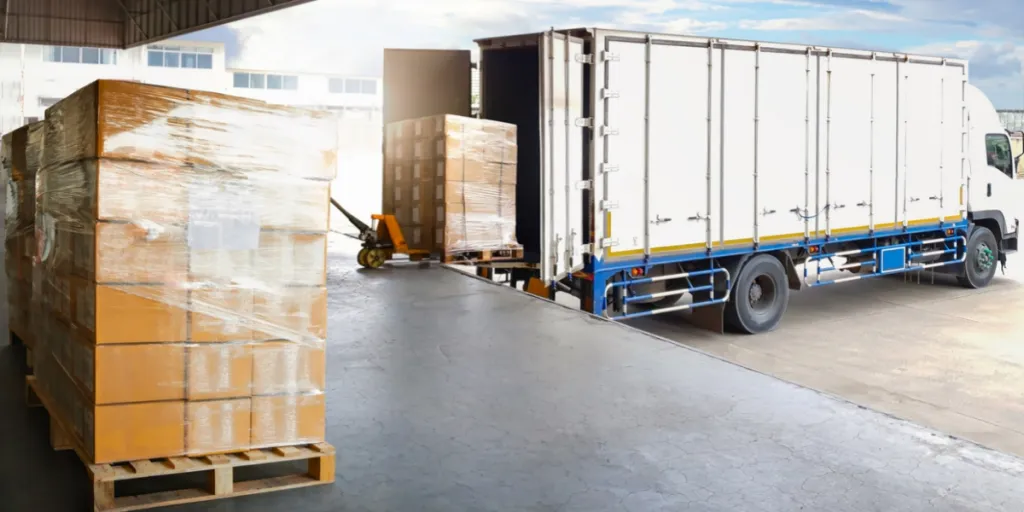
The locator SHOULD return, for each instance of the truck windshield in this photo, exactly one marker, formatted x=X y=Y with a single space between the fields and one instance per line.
x=999 y=155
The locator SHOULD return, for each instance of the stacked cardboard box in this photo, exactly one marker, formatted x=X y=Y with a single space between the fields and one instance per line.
x=183 y=252
x=450 y=181
x=20 y=154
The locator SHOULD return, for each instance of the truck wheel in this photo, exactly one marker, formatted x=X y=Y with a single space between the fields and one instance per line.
x=982 y=259
x=759 y=296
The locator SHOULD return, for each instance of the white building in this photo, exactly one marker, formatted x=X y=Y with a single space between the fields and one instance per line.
x=33 y=78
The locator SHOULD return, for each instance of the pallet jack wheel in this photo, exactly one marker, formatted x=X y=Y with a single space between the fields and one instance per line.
x=375 y=258
x=361 y=257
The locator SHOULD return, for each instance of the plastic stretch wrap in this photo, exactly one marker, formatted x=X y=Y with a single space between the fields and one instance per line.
x=451 y=183
x=20 y=154
x=181 y=270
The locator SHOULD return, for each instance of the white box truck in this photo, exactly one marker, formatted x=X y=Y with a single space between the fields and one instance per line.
x=656 y=166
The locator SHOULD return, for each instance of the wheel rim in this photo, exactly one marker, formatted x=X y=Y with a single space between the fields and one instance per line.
x=761 y=294
x=984 y=258
x=376 y=258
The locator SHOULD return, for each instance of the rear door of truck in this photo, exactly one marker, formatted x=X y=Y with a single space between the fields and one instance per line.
x=563 y=181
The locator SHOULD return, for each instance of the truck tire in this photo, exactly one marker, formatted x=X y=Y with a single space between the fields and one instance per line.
x=982 y=259
x=759 y=296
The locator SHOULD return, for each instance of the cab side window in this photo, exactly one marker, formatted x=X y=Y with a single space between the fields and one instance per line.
x=997 y=147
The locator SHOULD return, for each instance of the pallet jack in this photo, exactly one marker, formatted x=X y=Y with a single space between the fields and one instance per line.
x=382 y=242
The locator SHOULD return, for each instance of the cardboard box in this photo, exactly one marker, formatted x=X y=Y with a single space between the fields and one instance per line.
x=138 y=431
x=139 y=373
x=150 y=123
x=220 y=315
x=283 y=367
x=219 y=370
x=111 y=433
x=218 y=426
x=442 y=173
x=111 y=253
x=286 y=420
x=294 y=205
x=128 y=313
x=292 y=259
x=293 y=314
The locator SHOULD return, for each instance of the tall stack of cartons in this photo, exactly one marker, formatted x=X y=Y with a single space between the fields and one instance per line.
x=450 y=181
x=183 y=247
x=20 y=153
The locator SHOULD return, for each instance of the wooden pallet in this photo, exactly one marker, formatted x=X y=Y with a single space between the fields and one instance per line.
x=470 y=257
x=221 y=481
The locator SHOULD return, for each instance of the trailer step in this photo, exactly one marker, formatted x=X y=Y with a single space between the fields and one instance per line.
x=222 y=481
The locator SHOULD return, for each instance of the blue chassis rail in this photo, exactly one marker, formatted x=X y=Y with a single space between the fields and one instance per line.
x=602 y=272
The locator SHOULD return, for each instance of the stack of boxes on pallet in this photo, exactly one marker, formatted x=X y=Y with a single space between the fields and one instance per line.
x=450 y=181
x=20 y=154
x=182 y=303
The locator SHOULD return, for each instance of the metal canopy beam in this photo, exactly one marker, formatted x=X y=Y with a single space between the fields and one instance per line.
x=121 y=23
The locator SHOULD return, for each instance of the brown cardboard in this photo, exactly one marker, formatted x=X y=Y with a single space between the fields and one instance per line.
x=287 y=419
x=218 y=426
x=139 y=373
x=282 y=367
x=128 y=313
x=219 y=370
x=442 y=173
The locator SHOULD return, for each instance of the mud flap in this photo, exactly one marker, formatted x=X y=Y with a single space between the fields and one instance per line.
x=710 y=318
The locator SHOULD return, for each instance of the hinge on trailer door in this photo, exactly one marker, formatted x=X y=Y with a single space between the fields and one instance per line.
x=607 y=56
x=584 y=184
x=609 y=94
x=584 y=58
x=607 y=242
x=584 y=122
x=608 y=204
x=607 y=131
x=606 y=168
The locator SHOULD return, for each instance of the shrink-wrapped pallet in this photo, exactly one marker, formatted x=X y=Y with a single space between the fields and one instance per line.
x=450 y=181
x=182 y=247
x=20 y=155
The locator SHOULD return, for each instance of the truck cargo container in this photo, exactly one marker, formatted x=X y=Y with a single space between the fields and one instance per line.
x=654 y=166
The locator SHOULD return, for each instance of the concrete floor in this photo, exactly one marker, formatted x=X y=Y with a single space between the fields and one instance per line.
x=935 y=354
x=447 y=393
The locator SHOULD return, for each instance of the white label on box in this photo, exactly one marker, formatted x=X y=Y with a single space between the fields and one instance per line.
x=439 y=192
x=440 y=169
x=440 y=147
x=416 y=193
x=440 y=213
x=418 y=150
x=398 y=173
x=398 y=194
x=438 y=235
x=223 y=217
x=416 y=171
x=415 y=215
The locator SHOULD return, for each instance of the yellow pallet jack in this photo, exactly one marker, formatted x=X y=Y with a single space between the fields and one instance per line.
x=380 y=243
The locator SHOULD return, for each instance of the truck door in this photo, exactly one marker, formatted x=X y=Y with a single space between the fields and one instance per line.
x=563 y=181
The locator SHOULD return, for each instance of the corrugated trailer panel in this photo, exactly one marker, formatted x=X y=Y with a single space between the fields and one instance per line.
x=733 y=144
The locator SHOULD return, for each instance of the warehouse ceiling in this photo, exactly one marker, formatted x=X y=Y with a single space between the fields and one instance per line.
x=120 y=23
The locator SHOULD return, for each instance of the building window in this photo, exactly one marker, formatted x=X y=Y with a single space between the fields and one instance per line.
x=352 y=86
x=192 y=57
x=80 y=55
x=30 y=120
x=48 y=102
x=266 y=81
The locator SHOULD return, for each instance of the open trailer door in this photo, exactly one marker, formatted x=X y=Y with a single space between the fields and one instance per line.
x=424 y=83
x=563 y=182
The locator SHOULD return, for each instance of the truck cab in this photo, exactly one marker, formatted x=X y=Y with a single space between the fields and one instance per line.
x=994 y=197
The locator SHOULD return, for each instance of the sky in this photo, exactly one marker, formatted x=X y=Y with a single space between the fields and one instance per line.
x=348 y=36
